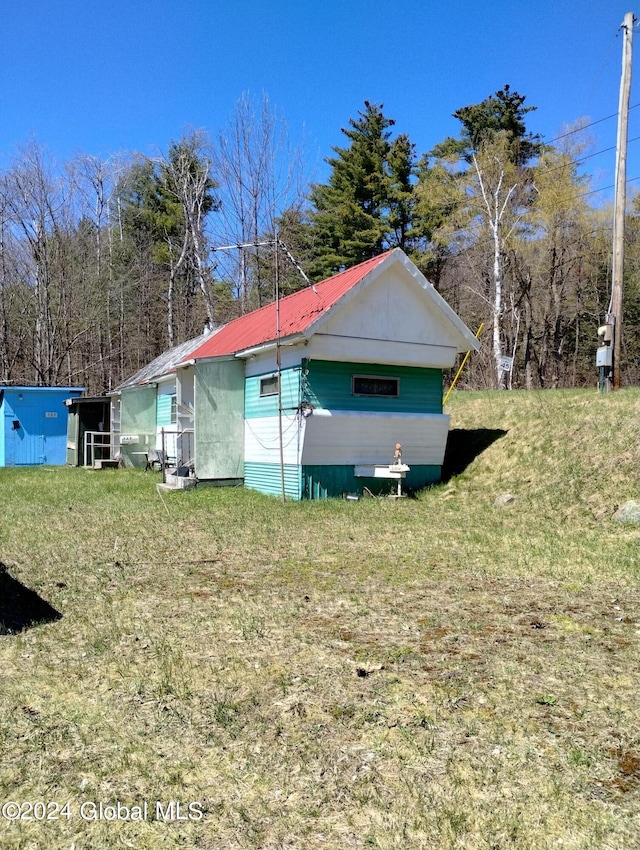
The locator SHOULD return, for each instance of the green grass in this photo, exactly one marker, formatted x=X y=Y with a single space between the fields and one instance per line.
x=431 y=673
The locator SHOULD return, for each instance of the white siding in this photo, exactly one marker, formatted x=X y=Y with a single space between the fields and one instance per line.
x=395 y=308
x=262 y=439
x=351 y=349
x=345 y=438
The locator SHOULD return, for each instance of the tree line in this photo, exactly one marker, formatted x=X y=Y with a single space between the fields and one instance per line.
x=106 y=263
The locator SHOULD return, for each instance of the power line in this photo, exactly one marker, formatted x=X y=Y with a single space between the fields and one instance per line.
x=592 y=124
x=586 y=157
x=604 y=188
x=586 y=126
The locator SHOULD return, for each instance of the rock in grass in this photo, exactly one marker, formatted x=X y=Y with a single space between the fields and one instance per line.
x=628 y=513
x=503 y=500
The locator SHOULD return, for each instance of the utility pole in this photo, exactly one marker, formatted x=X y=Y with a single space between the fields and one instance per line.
x=617 y=271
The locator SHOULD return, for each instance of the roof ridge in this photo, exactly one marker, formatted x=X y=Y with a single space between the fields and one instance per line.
x=378 y=258
x=297 y=311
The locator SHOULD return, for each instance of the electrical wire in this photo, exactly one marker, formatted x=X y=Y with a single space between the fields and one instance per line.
x=586 y=157
x=586 y=126
x=264 y=445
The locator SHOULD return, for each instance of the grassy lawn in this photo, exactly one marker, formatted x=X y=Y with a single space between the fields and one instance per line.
x=436 y=672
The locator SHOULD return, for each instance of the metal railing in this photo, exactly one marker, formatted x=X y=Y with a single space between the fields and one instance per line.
x=97 y=446
x=178 y=445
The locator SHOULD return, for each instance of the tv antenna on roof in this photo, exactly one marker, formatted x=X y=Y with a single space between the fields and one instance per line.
x=276 y=243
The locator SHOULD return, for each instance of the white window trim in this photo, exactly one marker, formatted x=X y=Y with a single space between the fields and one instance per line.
x=273 y=377
x=375 y=378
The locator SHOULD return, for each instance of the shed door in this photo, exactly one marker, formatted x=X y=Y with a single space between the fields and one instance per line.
x=22 y=448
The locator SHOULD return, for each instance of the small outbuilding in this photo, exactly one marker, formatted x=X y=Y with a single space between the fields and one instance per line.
x=88 y=437
x=152 y=411
x=311 y=394
x=33 y=425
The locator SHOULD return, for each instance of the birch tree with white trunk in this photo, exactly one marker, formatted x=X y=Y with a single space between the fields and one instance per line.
x=186 y=176
x=496 y=190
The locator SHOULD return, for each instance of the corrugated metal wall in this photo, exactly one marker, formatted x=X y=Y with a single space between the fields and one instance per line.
x=266 y=478
x=348 y=429
x=256 y=405
x=416 y=414
x=324 y=482
x=165 y=422
x=163 y=411
x=354 y=437
x=262 y=438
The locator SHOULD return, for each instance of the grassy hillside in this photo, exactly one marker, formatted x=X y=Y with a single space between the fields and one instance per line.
x=438 y=672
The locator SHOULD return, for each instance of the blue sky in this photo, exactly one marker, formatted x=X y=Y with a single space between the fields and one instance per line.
x=80 y=76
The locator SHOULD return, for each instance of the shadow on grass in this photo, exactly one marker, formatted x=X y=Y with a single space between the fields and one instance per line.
x=464 y=446
x=21 y=608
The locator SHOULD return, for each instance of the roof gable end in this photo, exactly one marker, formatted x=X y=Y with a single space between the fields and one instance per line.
x=304 y=313
x=465 y=339
x=297 y=314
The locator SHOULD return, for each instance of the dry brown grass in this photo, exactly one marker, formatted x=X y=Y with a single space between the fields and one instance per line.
x=435 y=673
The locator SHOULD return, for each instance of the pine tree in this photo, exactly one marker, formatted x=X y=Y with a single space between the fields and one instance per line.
x=501 y=113
x=349 y=213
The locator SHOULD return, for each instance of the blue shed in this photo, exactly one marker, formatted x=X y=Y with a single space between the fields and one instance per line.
x=33 y=425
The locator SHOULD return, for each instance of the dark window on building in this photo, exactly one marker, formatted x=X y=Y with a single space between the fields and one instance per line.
x=375 y=386
x=269 y=385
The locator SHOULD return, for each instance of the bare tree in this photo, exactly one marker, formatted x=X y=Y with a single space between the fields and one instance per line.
x=15 y=299
x=485 y=204
x=259 y=176
x=36 y=202
x=552 y=264
x=186 y=175
x=93 y=182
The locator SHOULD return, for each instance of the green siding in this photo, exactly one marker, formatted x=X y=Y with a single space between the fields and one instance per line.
x=324 y=482
x=219 y=424
x=328 y=384
x=266 y=478
x=255 y=405
x=163 y=412
x=138 y=416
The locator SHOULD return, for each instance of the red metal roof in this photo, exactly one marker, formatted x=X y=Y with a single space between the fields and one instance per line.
x=297 y=312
